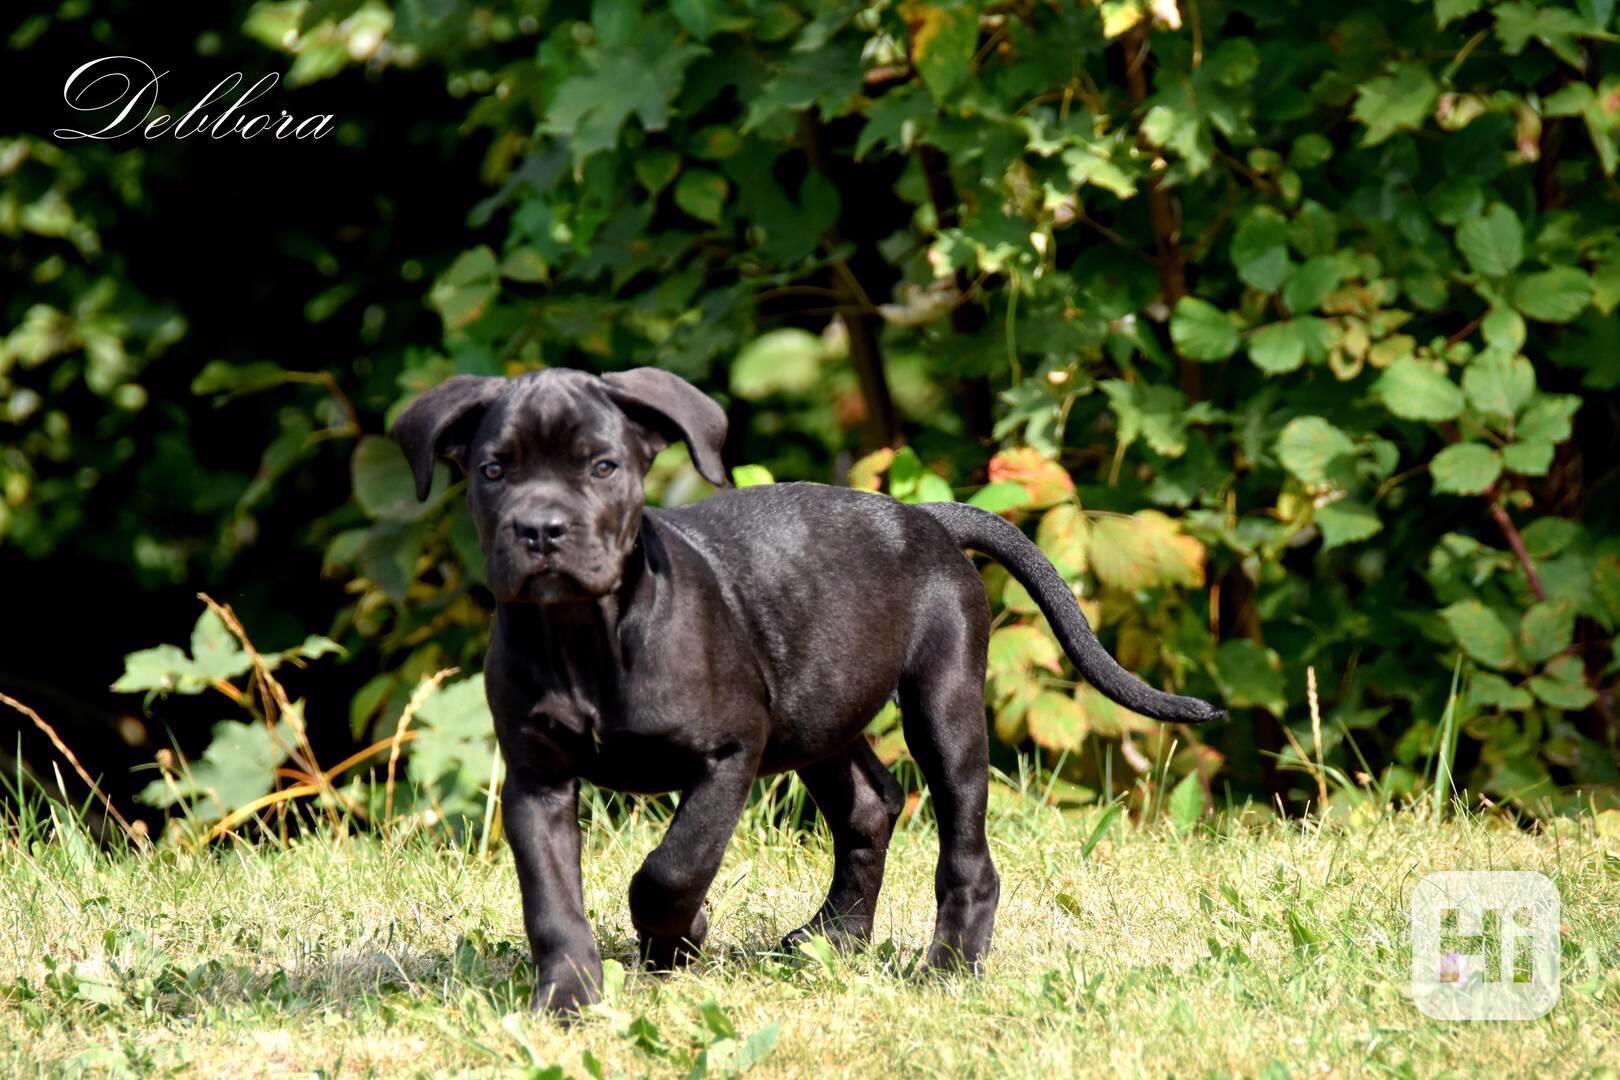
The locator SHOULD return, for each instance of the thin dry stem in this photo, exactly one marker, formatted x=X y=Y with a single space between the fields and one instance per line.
x=427 y=686
x=62 y=748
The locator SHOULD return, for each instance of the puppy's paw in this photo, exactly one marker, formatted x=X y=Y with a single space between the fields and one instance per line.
x=665 y=952
x=944 y=961
x=843 y=937
x=566 y=997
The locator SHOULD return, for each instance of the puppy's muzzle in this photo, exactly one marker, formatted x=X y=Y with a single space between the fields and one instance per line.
x=541 y=534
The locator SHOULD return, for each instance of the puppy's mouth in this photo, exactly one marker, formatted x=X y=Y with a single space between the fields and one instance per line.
x=548 y=580
x=553 y=585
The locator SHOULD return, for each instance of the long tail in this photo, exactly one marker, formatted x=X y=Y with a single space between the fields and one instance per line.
x=971 y=527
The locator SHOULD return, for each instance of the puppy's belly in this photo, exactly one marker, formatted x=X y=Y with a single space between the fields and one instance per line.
x=643 y=765
x=817 y=727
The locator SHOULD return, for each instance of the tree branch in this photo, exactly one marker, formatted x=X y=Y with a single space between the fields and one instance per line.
x=1163 y=209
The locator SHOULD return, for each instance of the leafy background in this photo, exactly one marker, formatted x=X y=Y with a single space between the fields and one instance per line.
x=1287 y=330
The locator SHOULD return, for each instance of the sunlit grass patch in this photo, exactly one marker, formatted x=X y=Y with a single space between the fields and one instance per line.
x=1233 y=950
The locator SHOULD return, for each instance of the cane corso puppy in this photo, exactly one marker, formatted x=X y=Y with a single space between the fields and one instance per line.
x=696 y=649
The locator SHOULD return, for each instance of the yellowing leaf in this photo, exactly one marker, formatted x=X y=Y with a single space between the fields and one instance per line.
x=1063 y=535
x=1056 y=721
x=867 y=473
x=944 y=36
x=1044 y=479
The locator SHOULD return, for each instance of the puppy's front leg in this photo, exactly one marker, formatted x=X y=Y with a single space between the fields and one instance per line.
x=542 y=825
x=666 y=894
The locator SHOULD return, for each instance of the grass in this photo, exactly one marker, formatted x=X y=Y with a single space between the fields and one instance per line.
x=1248 y=948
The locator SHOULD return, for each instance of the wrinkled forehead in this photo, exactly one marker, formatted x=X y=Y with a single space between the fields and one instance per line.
x=554 y=412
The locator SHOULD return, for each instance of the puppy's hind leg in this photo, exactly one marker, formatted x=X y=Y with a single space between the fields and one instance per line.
x=860 y=801
x=942 y=708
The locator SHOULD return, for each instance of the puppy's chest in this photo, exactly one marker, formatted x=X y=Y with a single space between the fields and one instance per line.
x=622 y=741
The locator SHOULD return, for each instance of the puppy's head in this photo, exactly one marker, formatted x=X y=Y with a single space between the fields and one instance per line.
x=554 y=462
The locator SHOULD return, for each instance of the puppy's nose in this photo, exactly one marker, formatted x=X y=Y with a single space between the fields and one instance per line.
x=543 y=534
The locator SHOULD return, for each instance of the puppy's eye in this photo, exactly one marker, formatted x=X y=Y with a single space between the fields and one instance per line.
x=492 y=470
x=604 y=469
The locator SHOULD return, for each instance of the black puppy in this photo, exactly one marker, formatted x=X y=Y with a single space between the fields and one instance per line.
x=695 y=649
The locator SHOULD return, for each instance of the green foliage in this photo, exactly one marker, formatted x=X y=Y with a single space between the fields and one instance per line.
x=953 y=244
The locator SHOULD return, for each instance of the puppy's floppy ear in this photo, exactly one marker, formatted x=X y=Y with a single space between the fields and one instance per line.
x=440 y=422
x=677 y=411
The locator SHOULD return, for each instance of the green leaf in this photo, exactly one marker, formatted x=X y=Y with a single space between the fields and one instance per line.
x=1315 y=452
x=1260 y=249
x=1310 y=150
x=314 y=647
x=1098 y=831
x=158 y=669
x=238 y=767
x=525 y=264
x=1555 y=296
x=1414 y=390
x=757 y=1047
x=1548 y=419
x=1606 y=287
x=1493 y=244
x=452 y=756
x=702 y=194
x=219 y=376
x=1556 y=28
x=1346 y=521
x=785 y=361
x=1306 y=938
x=1449 y=11
x=1481 y=633
x=1000 y=497
x=701 y=18
x=1186 y=803
x=383 y=484
x=1465 y=469
x=1563 y=685
x=656 y=168
x=791 y=231
x=1499 y=384
x=464 y=292
x=1201 y=331
x=1155 y=412
x=1403 y=99
x=1606 y=592
x=1491 y=690
x=215 y=652
x=827 y=77
x=1311 y=283
x=615 y=21
x=1528 y=457
x=1546 y=630
x=1504 y=329
x=640 y=79
x=1547 y=536
x=1056 y=721
x=932 y=488
x=894 y=121
x=1277 y=349
x=944 y=37
x=1250 y=676
x=751 y=476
